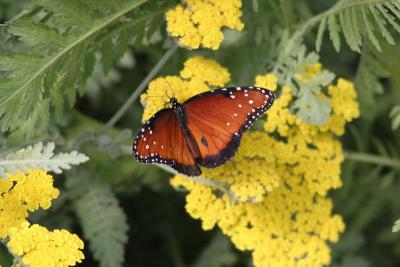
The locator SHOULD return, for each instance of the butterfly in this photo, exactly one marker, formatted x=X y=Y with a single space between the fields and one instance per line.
x=205 y=130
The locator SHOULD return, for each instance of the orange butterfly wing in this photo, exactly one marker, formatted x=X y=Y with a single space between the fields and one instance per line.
x=217 y=120
x=162 y=140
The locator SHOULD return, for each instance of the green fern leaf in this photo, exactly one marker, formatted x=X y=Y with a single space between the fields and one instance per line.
x=358 y=18
x=355 y=20
x=370 y=29
x=107 y=55
x=37 y=35
x=334 y=32
x=396 y=226
x=320 y=34
x=103 y=221
x=371 y=68
x=39 y=156
x=388 y=16
x=395 y=115
x=70 y=36
x=381 y=24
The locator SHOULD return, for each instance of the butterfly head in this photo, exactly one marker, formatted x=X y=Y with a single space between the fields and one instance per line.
x=174 y=102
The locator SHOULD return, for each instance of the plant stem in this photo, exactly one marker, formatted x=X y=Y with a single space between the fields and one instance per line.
x=128 y=103
x=373 y=159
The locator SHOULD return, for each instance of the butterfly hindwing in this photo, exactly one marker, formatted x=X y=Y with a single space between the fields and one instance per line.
x=217 y=120
x=162 y=140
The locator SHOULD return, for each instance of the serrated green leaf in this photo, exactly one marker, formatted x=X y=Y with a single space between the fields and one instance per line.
x=103 y=221
x=107 y=56
x=355 y=21
x=39 y=35
x=320 y=34
x=396 y=226
x=394 y=7
x=122 y=43
x=39 y=76
x=359 y=17
x=334 y=32
x=388 y=17
x=346 y=26
x=382 y=25
x=395 y=115
x=370 y=29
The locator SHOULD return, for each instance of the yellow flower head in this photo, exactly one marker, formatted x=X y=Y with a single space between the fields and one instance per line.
x=21 y=193
x=40 y=247
x=199 y=22
x=268 y=81
x=278 y=179
x=309 y=72
x=197 y=76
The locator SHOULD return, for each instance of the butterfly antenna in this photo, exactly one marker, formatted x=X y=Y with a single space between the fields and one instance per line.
x=149 y=96
x=170 y=90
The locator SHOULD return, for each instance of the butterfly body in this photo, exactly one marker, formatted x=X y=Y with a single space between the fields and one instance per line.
x=204 y=130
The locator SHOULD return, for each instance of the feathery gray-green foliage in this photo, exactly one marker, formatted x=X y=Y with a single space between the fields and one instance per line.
x=64 y=39
x=308 y=106
x=358 y=18
x=102 y=219
x=39 y=156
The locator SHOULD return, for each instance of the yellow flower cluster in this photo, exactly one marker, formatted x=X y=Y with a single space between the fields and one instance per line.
x=199 y=22
x=19 y=194
x=280 y=175
x=40 y=247
x=196 y=77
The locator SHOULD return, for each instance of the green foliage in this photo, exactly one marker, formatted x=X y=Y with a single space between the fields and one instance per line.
x=217 y=254
x=371 y=69
x=63 y=42
x=291 y=62
x=102 y=219
x=395 y=115
x=39 y=156
x=359 y=18
x=396 y=226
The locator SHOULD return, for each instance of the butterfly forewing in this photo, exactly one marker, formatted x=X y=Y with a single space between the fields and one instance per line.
x=217 y=120
x=161 y=140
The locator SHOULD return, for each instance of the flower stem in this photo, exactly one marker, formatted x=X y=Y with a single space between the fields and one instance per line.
x=373 y=159
x=128 y=103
